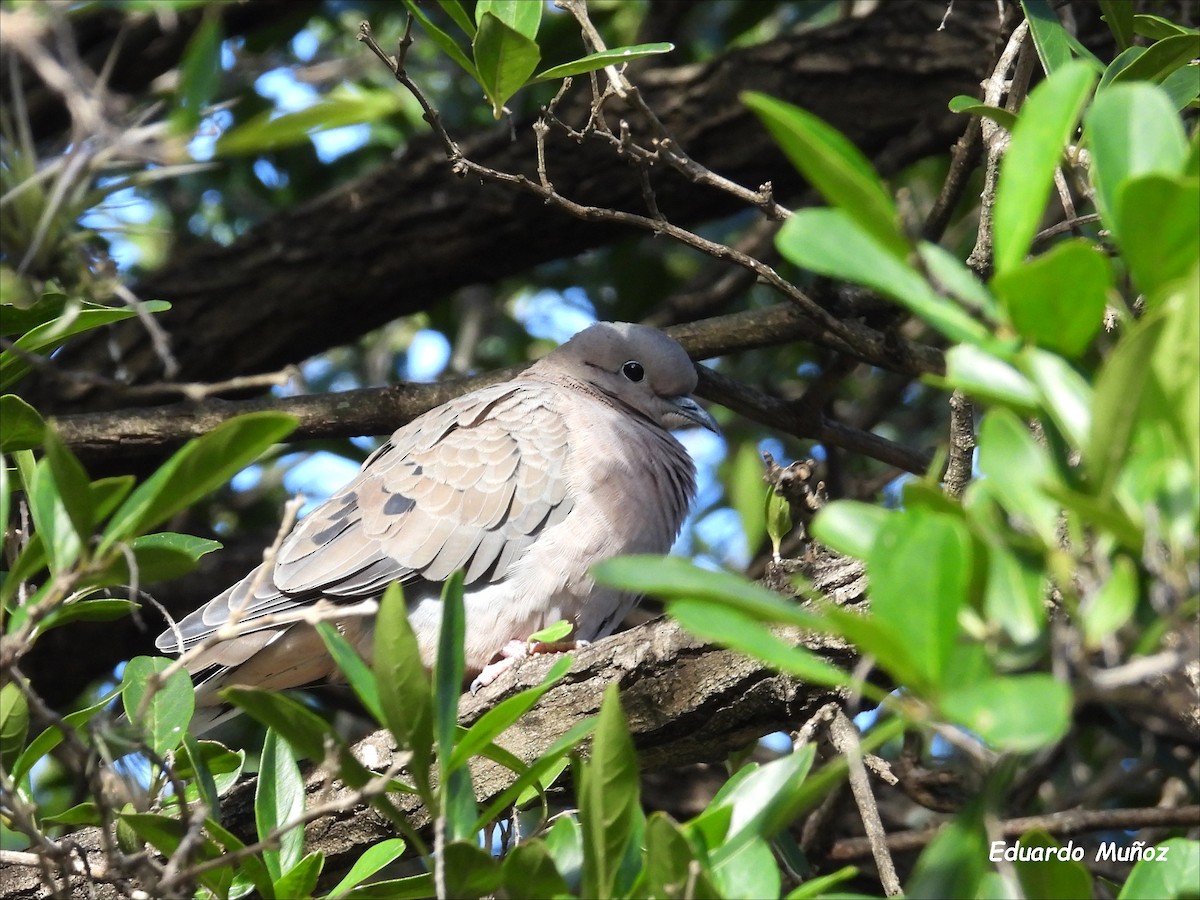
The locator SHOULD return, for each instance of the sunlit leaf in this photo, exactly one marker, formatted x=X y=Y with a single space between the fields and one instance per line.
x=160 y=711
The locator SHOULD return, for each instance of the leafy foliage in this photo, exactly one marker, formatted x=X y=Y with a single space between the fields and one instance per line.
x=996 y=618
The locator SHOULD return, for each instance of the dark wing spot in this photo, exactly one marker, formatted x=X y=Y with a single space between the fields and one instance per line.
x=398 y=505
x=325 y=535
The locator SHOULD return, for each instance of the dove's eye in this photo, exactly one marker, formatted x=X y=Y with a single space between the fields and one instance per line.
x=633 y=371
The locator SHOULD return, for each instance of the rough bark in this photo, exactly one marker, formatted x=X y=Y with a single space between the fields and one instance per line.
x=411 y=233
x=686 y=702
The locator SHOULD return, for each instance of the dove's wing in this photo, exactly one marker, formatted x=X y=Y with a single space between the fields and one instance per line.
x=469 y=485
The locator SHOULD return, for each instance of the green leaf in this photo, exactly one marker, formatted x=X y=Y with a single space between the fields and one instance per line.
x=299 y=726
x=14 y=723
x=952 y=276
x=72 y=482
x=1156 y=27
x=85 y=610
x=822 y=885
x=212 y=769
x=496 y=720
x=51 y=737
x=201 y=466
x=345 y=105
x=415 y=887
x=522 y=17
x=749 y=873
x=762 y=802
x=199 y=74
x=1046 y=124
x=504 y=58
x=1015 y=594
x=46 y=338
x=107 y=493
x=835 y=167
x=1018 y=469
x=731 y=628
x=829 y=242
x=552 y=633
x=278 y=801
x=159 y=557
x=1052 y=877
x=446 y=43
x=1112 y=606
x=301 y=879
x=1065 y=394
x=86 y=813
x=538 y=772
x=457 y=795
x=1132 y=130
x=954 y=863
x=6 y=478
x=51 y=519
x=250 y=866
x=1016 y=713
x=1118 y=15
x=674 y=578
x=371 y=861
x=987 y=377
x=1160 y=59
x=358 y=674
x=23 y=427
x=454 y=9
x=537 y=790
x=1049 y=36
x=593 y=61
x=1182 y=86
x=405 y=694
x=1120 y=386
x=1006 y=119
x=923 y=555
x=52 y=304
x=608 y=800
x=160 y=711
x=671 y=868
x=165 y=834
x=1173 y=876
x=470 y=870
x=203 y=785
x=529 y=872
x=849 y=526
x=1057 y=300
x=1156 y=219
x=1174 y=398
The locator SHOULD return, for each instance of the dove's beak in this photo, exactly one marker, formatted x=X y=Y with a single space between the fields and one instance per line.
x=684 y=412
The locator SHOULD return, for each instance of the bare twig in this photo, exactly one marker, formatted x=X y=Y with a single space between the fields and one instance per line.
x=844 y=737
x=962 y=444
x=1067 y=822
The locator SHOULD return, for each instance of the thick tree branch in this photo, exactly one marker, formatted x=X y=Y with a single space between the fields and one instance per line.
x=314 y=277
x=130 y=433
x=686 y=702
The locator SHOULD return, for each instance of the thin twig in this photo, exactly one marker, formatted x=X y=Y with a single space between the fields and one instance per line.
x=1067 y=822
x=844 y=737
x=962 y=444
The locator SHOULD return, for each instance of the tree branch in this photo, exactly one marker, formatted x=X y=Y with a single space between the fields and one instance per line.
x=686 y=701
x=131 y=433
x=312 y=277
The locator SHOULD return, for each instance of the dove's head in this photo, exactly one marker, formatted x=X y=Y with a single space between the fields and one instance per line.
x=636 y=367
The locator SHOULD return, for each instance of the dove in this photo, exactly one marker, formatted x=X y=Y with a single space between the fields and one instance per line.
x=523 y=485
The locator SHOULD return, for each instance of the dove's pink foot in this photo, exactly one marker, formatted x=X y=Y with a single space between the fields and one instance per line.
x=516 y=650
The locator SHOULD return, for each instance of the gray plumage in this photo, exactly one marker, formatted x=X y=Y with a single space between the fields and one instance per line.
x=524 y=485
